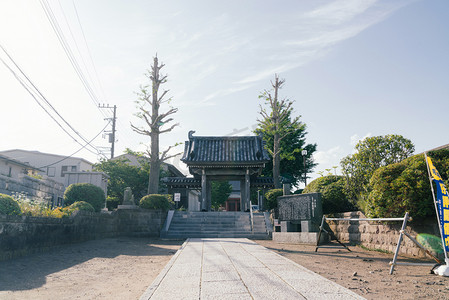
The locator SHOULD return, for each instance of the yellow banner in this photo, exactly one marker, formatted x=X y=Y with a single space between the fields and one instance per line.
x=433 y=171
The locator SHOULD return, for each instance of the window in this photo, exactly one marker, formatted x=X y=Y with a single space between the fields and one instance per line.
x=64 y=170
x=51 y=171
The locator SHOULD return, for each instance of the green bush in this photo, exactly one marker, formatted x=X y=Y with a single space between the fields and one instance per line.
x=271 y=197
x=399 y=188
x=81 y=205
x=405 y=187
x=85 y=192
x=8 y=205
x=156 y=201
x=333 y=196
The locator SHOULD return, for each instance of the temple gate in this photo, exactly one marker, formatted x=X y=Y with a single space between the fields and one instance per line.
x=210 y=158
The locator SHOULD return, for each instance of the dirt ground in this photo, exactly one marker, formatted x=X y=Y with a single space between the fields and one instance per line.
x=116 y=268
x=367 y=272
x=123 y=268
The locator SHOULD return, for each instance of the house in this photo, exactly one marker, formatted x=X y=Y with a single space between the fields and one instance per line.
x=52 y=165
x=62 y=169
x=17 y=177
x=12 y=168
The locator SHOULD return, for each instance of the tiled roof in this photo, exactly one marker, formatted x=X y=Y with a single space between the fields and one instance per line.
x=224 y=150
x=196 y=182
x=182 y=181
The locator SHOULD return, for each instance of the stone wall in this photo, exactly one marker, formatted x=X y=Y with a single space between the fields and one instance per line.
x=37 y=189
x=381 y=235
x=21 y=235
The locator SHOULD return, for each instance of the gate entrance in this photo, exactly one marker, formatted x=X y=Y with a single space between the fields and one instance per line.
x=212 y=158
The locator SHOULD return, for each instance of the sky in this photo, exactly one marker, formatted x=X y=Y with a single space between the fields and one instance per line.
x=353 y=68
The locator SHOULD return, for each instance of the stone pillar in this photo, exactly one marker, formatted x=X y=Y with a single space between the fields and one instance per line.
x=247 y=189
x=286 y=189
x=203 y=191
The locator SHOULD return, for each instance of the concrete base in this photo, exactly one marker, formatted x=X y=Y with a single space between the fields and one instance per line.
x=129 y=206
x=299 y=237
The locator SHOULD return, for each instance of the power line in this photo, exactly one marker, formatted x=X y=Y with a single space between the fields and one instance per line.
x=35 y=93
x=76 y=150
x=65 y=45
x=88 y=50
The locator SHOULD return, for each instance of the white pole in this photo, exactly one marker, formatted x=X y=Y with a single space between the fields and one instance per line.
x=436 y=209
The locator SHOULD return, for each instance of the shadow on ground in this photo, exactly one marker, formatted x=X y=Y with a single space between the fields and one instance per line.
x=30 y=271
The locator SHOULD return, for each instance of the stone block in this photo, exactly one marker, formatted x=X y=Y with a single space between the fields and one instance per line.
x=299 y=237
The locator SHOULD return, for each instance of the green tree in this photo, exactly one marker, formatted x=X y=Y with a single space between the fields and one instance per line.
x=122 y=175
x=220 y=191
x=284 y=137
x=271 y=198
x=333 y=196
x=405 y=187
x=149 y=104
x=371 y=154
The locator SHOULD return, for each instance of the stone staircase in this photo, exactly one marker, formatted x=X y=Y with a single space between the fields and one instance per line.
x=215 y=225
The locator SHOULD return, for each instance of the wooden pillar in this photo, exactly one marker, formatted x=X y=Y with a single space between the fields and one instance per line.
x=242 y=195
x=208 y=195
x=203 y=191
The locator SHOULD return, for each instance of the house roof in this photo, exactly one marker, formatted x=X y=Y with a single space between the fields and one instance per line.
x=440 y=148
x=17 y=162
x=5 y=152
x=224 y=150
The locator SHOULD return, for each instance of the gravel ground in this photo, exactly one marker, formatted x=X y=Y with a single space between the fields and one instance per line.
x=116 y=268
x=367 y=272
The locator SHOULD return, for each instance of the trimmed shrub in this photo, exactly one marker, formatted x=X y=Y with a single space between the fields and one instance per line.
x=81 y=205
x=271 y=197
x=156 y=201
x=401 y=187
x=85 y=192
x=333 y=196
x=405 y=186
x=9 y=206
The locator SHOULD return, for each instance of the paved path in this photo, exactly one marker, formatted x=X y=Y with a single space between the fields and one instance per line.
x=238 y=269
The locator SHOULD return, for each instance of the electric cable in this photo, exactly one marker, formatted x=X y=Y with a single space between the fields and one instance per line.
x=66 y=47
x=39 y=94
x=42 y=96
x=78 y=149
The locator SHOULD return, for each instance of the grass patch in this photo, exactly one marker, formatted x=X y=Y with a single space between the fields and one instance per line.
x=377 y=250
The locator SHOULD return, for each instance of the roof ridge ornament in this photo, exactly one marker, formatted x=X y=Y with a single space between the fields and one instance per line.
x=191 y=132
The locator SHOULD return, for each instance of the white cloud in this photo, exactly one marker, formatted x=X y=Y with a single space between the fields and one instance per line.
x=355 y=138
x=340 y=11
x=329 y=156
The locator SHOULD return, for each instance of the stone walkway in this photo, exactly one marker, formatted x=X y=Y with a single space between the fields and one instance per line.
x=238 y=269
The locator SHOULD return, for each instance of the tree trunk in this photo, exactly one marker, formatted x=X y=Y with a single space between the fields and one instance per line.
x=155 y=165
x=276 y=162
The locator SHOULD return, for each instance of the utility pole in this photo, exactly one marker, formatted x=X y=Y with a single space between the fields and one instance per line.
x=112 y=134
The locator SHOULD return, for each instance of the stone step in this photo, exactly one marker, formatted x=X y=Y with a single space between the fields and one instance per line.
x=205 y=235
x=216 y=224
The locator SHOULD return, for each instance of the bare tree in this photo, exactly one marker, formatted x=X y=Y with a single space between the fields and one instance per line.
x=273 y=123
x=155 y=120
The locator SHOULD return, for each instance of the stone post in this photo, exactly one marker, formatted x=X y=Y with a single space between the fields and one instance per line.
x=286 y=189
x=128 y=200
x=203 y=191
